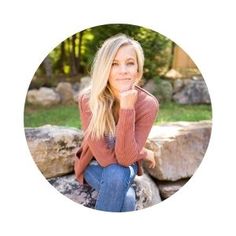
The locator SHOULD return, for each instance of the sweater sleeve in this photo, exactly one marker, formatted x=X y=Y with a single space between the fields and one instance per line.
x=98 y=147
x=132 y=132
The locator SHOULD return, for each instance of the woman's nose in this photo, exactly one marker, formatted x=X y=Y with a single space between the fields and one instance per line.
x=123 y=69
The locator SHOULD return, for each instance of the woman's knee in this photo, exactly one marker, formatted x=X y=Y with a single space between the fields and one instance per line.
x=116 y=175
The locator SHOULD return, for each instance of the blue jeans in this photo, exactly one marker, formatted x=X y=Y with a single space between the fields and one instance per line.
x=113 y=184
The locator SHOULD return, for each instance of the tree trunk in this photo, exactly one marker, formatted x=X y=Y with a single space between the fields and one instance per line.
x=62 y=58
x=79 y=68
x=171 y=56
x=47 y=67
x=73 y=57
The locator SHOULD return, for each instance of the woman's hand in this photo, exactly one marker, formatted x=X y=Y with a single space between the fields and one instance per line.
x=150 y=158
x=128 y=98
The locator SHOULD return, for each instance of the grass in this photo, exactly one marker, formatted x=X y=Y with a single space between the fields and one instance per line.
x=68 y=115
x=62 y=115
x=171 y=111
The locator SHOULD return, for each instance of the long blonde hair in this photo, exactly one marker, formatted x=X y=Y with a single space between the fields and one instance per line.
x=101 y=98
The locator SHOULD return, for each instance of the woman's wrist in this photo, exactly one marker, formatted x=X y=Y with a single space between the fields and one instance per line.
x=126 y=107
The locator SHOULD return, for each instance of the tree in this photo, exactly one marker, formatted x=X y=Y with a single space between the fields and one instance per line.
x=154 y=45
x=79 y=58
x=75 y=54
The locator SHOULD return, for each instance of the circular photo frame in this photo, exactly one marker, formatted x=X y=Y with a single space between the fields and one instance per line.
x=122 y=103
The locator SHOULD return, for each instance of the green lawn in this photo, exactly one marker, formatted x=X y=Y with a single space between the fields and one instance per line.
x=62 y=115
x=68 y=115
x=171 y=111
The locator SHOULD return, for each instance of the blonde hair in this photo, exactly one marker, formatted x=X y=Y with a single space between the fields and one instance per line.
x=101 y=99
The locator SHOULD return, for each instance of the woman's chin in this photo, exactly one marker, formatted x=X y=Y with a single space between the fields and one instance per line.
x=125 y=87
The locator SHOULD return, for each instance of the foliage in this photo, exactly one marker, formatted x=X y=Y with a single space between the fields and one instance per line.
x=100 y=34
x=155 y=45
x=74 y=55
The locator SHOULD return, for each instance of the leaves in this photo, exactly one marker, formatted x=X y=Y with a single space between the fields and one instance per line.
x=75 y=54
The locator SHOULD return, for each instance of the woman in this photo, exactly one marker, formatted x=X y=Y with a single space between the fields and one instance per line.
x=116 y=116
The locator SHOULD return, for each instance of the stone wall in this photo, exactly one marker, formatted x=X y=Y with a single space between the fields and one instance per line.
x=179 y=148
x=183 y=91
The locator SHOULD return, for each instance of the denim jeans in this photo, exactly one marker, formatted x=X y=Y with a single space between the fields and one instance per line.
x=113 y=184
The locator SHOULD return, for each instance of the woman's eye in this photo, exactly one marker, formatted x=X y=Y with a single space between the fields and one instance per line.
x=130 y=63
x=114 y=64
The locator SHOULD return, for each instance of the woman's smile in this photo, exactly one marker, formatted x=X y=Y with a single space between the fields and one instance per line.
x=123 y=79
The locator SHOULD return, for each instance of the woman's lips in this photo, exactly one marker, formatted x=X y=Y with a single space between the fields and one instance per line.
x=122 y=79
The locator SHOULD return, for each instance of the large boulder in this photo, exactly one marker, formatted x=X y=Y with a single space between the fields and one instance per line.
x=71 y=188
x=178 y=84
x=43 y=97
x=150 y=86
x=173 y=74
x=168 y=188
x=84 y=82
x=179 y=148
x=52 y=148
x=194 y=92
x=65 y=90
x=164 y=90
x=160 y=88
x=147 y=193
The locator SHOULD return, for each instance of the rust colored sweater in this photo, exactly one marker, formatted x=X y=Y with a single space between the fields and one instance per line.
x=131 y=134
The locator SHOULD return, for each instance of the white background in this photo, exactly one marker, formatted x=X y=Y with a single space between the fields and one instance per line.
x=30 y=30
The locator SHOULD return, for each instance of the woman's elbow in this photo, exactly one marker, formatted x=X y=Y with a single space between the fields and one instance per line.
x=124 y=161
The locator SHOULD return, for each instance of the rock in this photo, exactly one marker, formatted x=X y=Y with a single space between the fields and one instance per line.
x=150 y=86
x=69 y=187
x=76 y=86
x=147 y=193
x=76 y=89
x=173 y=74
x=168 y=188
x=187 y=81
x=178 y=85
x=64 y=89
x=160 y=88
x=43 y=97
x=179 y=148
x=52 y=148
x=164 y=90
x=197 y=77
x=84 y=82
x=195 y=92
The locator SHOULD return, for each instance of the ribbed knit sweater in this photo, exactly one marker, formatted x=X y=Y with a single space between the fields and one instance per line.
x=131 y=133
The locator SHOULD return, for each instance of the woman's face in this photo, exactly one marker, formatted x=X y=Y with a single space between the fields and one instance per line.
x=124 y=69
